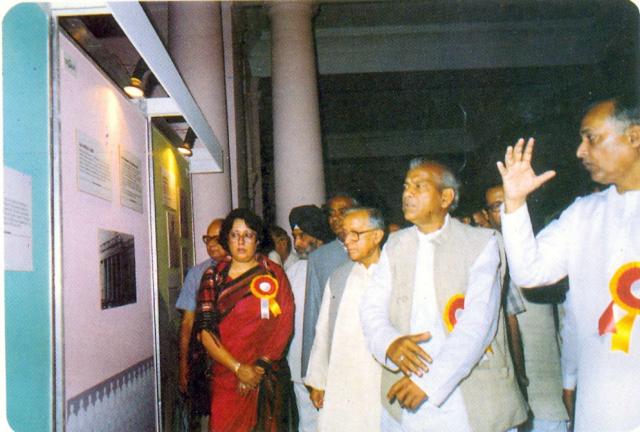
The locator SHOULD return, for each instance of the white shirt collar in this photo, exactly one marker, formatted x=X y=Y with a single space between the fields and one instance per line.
x=364 y=270
x=432 y=236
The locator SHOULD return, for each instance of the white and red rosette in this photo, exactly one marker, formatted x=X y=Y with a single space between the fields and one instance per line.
x=625 y=292
x=265 y=288
x=454 y=306
x=453 y=309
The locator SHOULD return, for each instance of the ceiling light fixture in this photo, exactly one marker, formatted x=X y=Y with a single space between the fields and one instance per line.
x=135 y=89
x=187 y=144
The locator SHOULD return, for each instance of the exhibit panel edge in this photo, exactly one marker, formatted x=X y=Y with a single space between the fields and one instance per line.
x=166 y=159
x=26 y=296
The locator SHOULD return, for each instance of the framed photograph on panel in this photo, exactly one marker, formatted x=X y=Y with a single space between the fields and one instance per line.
x=117 y=268
x=173 y=239
x=185 y=215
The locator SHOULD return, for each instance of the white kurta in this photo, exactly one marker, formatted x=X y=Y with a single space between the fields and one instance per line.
x=343 y=366
x=297 y=275
x=291 y=260
x=592 y=240
x=453 y=354
x=542 y=362
x=307 y=413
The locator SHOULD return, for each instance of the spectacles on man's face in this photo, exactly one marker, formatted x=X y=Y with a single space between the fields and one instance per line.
x=356 y=234
x=494 y=207
x=337 y=212
x=206 y=239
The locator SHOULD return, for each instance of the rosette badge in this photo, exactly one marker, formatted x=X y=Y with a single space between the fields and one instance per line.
x=453 y=311
x=625 y=292
x=265 y=287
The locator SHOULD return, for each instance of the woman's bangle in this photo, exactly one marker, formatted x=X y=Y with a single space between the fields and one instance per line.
x=236 y=367
x=264 y=363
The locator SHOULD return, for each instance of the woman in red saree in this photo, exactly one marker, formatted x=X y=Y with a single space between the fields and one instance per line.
x=244 y=321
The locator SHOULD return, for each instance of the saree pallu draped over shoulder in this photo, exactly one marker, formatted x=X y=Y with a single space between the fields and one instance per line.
x=248 y=334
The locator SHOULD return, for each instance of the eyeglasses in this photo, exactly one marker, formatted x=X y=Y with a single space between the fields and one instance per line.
x=236 y=236
x=206 y=239
x=337 y=212
x=356 y=234
x=494 y=207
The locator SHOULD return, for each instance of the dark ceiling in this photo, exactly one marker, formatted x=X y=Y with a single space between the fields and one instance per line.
x=494 y=105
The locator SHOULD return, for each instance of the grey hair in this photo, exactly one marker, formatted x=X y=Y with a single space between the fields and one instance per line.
x=376 y=220
x=626 y=111
x=448 y=179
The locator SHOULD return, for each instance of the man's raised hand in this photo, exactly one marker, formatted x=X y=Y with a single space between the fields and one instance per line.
x=518 y=178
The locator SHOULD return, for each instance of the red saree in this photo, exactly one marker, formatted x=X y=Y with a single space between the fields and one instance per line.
x=247 y=337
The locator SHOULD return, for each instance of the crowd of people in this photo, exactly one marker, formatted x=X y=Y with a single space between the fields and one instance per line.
x=357 y=326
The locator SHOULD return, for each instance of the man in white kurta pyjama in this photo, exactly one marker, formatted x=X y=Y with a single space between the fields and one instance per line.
x=344 y=377
x=596 y=242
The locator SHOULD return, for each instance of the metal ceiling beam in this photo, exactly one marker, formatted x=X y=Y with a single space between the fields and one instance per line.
x=162 y=107
x=78 y=8
x=136 y=25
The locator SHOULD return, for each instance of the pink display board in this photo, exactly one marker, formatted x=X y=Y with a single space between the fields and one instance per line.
x=104 y=188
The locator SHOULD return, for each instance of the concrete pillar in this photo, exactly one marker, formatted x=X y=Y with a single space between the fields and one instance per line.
x=299 y=175
x=196 y=46
x=233 y=83
x=252 y=126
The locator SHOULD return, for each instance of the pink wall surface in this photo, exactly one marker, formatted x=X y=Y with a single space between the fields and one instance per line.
x=100 y=343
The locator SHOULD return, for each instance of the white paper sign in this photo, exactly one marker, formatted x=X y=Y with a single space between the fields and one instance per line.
x=18 y=225
x=130 y=181
x=169 y=195
x=94 y=167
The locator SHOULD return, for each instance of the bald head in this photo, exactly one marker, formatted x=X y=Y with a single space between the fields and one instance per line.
x=215 y=225
x=211 y=239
